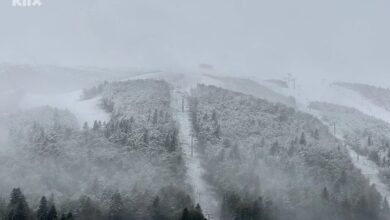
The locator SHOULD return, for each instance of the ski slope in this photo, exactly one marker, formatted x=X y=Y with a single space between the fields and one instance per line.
x=323 y=91
x=370 y=170
x=84 y=110
x=303 y=92
x=204 y=194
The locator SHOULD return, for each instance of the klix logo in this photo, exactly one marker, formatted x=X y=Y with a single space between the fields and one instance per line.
x=26 y=3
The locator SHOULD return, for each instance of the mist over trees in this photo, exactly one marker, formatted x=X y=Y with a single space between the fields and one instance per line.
x=254 y=149
x=130 y=160
x=263 y=160
x=367 y=135
x=194 y=110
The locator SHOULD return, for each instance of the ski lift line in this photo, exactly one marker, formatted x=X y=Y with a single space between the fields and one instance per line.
x=195 y=171
x=368 y=169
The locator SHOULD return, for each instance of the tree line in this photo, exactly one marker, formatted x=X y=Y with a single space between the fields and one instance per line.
x=19 y=209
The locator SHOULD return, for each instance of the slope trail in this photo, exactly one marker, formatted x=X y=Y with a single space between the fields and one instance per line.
x=203 y=192
x=340 y=96
x=370 y=170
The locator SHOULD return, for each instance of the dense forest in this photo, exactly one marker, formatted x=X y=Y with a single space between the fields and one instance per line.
x=262 y=160
x=133 y=159
x=257 y=149
x=169 y=204
x=194 y=110
x=367 y=135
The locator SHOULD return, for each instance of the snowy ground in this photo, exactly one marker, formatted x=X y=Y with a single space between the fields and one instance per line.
x=370 y=170
x=185 y=80
x=204 y=194
x=85 y=111
x=322 y=90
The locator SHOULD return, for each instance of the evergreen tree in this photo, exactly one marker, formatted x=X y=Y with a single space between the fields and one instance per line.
x=43 y=209
x=88 y=210
x=69 y=216
x=85 y=126
x=3 y=208
x=167 y=142
x=302 y=140
x=217 y=131
x=155 y=117
x=385 y=210
x=361 y=208
x=145 y=137
x=325 y=194
x=171 y=141
x=275 y=148
x=50 y=201
x=385 y=206
x=17 y=207
x=269 y=211
x=258 y=209
x=243 y=211
x=235 y=153
x=369 y=141
x=316 y=134
x=198 y=208
x=156 y=210
x=116 y=209
x=229 y=204
x=346 y=209
x=214 y=116
x=185 y=215
x=96 y=126
x=192 y=214
x=52 y=214
x=374 y=156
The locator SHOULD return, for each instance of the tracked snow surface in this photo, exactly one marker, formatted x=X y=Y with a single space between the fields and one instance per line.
x=370 y=170
x=204 y=194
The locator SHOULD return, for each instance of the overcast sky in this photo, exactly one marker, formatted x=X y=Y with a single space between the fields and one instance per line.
x=341 y=38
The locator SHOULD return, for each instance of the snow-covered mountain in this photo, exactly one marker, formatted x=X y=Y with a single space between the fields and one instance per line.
x=358 y=114
x=224 y=142
x=368 y=99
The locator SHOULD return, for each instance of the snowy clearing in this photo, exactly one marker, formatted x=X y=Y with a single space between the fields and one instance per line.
x=325 y=91
x=84 y=110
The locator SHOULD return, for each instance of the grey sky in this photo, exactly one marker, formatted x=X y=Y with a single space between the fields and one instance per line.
x=344 y=38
